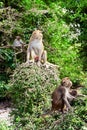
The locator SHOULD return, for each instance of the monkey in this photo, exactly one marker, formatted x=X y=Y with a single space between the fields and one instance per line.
x=60 y=104
x=18 y=42
x=35 y=50
x=62 y=95
x=73 y=93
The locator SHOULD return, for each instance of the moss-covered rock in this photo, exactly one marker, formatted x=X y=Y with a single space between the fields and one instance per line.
x=31 y=91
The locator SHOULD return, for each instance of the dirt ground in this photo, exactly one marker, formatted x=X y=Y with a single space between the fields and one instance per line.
x=5 y=109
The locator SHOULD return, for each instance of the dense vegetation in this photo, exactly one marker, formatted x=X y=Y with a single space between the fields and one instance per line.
x=63 y=24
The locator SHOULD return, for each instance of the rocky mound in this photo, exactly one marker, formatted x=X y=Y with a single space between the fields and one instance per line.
x=31 y=88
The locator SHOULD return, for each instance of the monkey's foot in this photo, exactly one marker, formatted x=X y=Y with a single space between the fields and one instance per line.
x=27 y=63
x=38 y=63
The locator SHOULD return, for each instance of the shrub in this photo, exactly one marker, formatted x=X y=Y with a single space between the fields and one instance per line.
x=4 y=126
x=4 y=90
x=7 y=63
x=31 y=92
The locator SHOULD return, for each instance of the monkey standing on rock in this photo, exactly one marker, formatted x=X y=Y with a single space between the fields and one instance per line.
x=35 y=50
x=62 y=96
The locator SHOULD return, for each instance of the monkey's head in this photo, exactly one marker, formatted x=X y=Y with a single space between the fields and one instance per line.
x=37 y=34
x=74 y=93
x=18 y=37
x=66 y=82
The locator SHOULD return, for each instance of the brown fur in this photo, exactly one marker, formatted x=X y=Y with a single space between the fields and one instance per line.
x=61 y=95
x=73 y=93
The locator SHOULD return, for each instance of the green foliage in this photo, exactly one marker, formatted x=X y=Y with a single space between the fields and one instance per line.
x=7 y=55
x=1 y=4
x=6 y=66
x=70 y=122
x=60 y=49
x=28 y=4
x=76 y=14
x=4 y=90
x=7 y=63
x=4 y=126
x=30 y=22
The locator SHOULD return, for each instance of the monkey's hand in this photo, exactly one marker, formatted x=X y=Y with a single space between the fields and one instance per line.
x=29 y=62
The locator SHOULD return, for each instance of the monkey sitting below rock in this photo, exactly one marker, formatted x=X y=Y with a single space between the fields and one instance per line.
x=62 y=96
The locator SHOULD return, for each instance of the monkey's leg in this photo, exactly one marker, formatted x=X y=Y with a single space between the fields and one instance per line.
x=70 y=98
x=66 y=102
x=62 y=106
x=33 y=55
x=28 y=55
x=44 y=57
x=39 y=57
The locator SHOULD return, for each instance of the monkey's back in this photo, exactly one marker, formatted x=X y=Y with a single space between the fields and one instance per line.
x=57 y=101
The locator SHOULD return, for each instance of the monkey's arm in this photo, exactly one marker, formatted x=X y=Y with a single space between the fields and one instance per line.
x=70 y=97
x=66 y=102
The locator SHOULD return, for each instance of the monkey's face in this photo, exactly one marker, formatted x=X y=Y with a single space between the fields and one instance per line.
x=66 y=82
x=73 y=93
x=37 y=34
x=18 y=37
